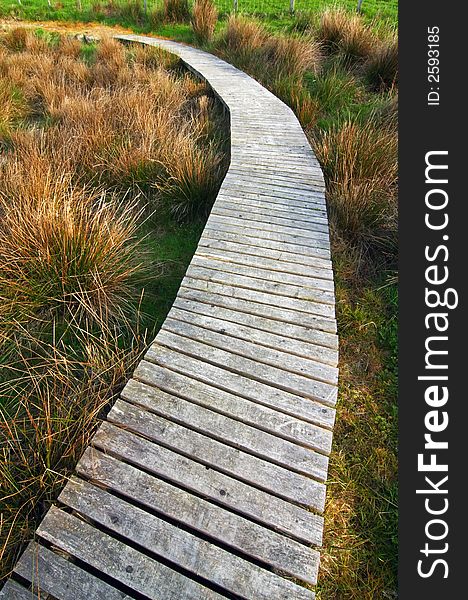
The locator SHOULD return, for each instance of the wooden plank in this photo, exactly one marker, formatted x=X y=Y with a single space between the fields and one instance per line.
x=325 y=393
x=260 y=251
x=241 y=498
x=246 y=411
x=119 y=561
x=314 y=231
x=14 y=591
x=252 y=242
x=274 y=209
x=300 y=185
x=299 y=200
x=295 y=338
x=265 y=394
x=246 y=302
x=227 y=430
x=219 y=524
x=61 y=578
x=181 y=548
x=216 y=455
x=257 y=271
x=210 y=318
x=314 y=240
x=310 y=222
x=257 y=280
x=266 y=263
x=188 y=325
x=265 y=292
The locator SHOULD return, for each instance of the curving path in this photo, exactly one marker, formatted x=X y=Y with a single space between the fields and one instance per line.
x=208 y=478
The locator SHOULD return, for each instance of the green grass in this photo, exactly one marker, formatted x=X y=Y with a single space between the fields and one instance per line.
x=274 y=12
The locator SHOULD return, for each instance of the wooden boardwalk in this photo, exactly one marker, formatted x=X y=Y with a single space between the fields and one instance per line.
x=208 y=478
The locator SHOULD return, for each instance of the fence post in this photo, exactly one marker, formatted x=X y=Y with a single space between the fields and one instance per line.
x=235 y=5
x=145 y=7
x=359 y=6
x=291 y=6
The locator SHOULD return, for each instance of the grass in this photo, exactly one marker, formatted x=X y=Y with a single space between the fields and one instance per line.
x=93 y=242
x=342 y=83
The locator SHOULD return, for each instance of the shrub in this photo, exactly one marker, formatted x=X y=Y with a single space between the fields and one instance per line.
x=381 y=69
x=204 y=19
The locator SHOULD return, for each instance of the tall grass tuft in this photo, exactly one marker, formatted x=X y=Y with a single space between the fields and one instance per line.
x=176 y=11
x=204 y=19
x=346 y=34
x=266 y=56
x=360 y=164
x=381 y=69
x=67 y=249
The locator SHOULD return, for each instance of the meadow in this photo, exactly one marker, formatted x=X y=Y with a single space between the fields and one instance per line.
x=338 y=71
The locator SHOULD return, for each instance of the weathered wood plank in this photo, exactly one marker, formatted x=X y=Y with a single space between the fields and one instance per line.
x=119 y=561
x=311 y=222
x=227 y=430
x=278 y=210
x=275 y=267
x=249 y=538
x=62 y=579
x=314 y=240
x=265 y=394
x=204 y=559
x=261 y=252
x=254 y=242
x=256 y=271
x=14 y=591
x=244 y=410
x=247 y=278
x=296 y=339
x=246 y=367
x=314 y=231
x=265 y=292
x=193 y=327
x=257 y=505
x=216 y=455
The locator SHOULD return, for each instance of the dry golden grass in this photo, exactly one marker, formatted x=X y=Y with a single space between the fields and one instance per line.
x=176 y=11
x=346 y=34
x=361 y=165
x=204 y=19
x=381 y=69
x=267 y=57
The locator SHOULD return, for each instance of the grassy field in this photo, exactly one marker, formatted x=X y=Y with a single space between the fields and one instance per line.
x=275 y=11
x=339 y=73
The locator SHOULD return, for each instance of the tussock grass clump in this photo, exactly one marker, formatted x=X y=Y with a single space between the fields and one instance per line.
x=267 y=57
x=360 y=163
x=341 y=32
x=67 y=249
x=176 y=11
x=48 y=413
x=381 y=69
x=204 y=19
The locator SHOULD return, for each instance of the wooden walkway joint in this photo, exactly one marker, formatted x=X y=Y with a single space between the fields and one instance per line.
x=207 y=480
